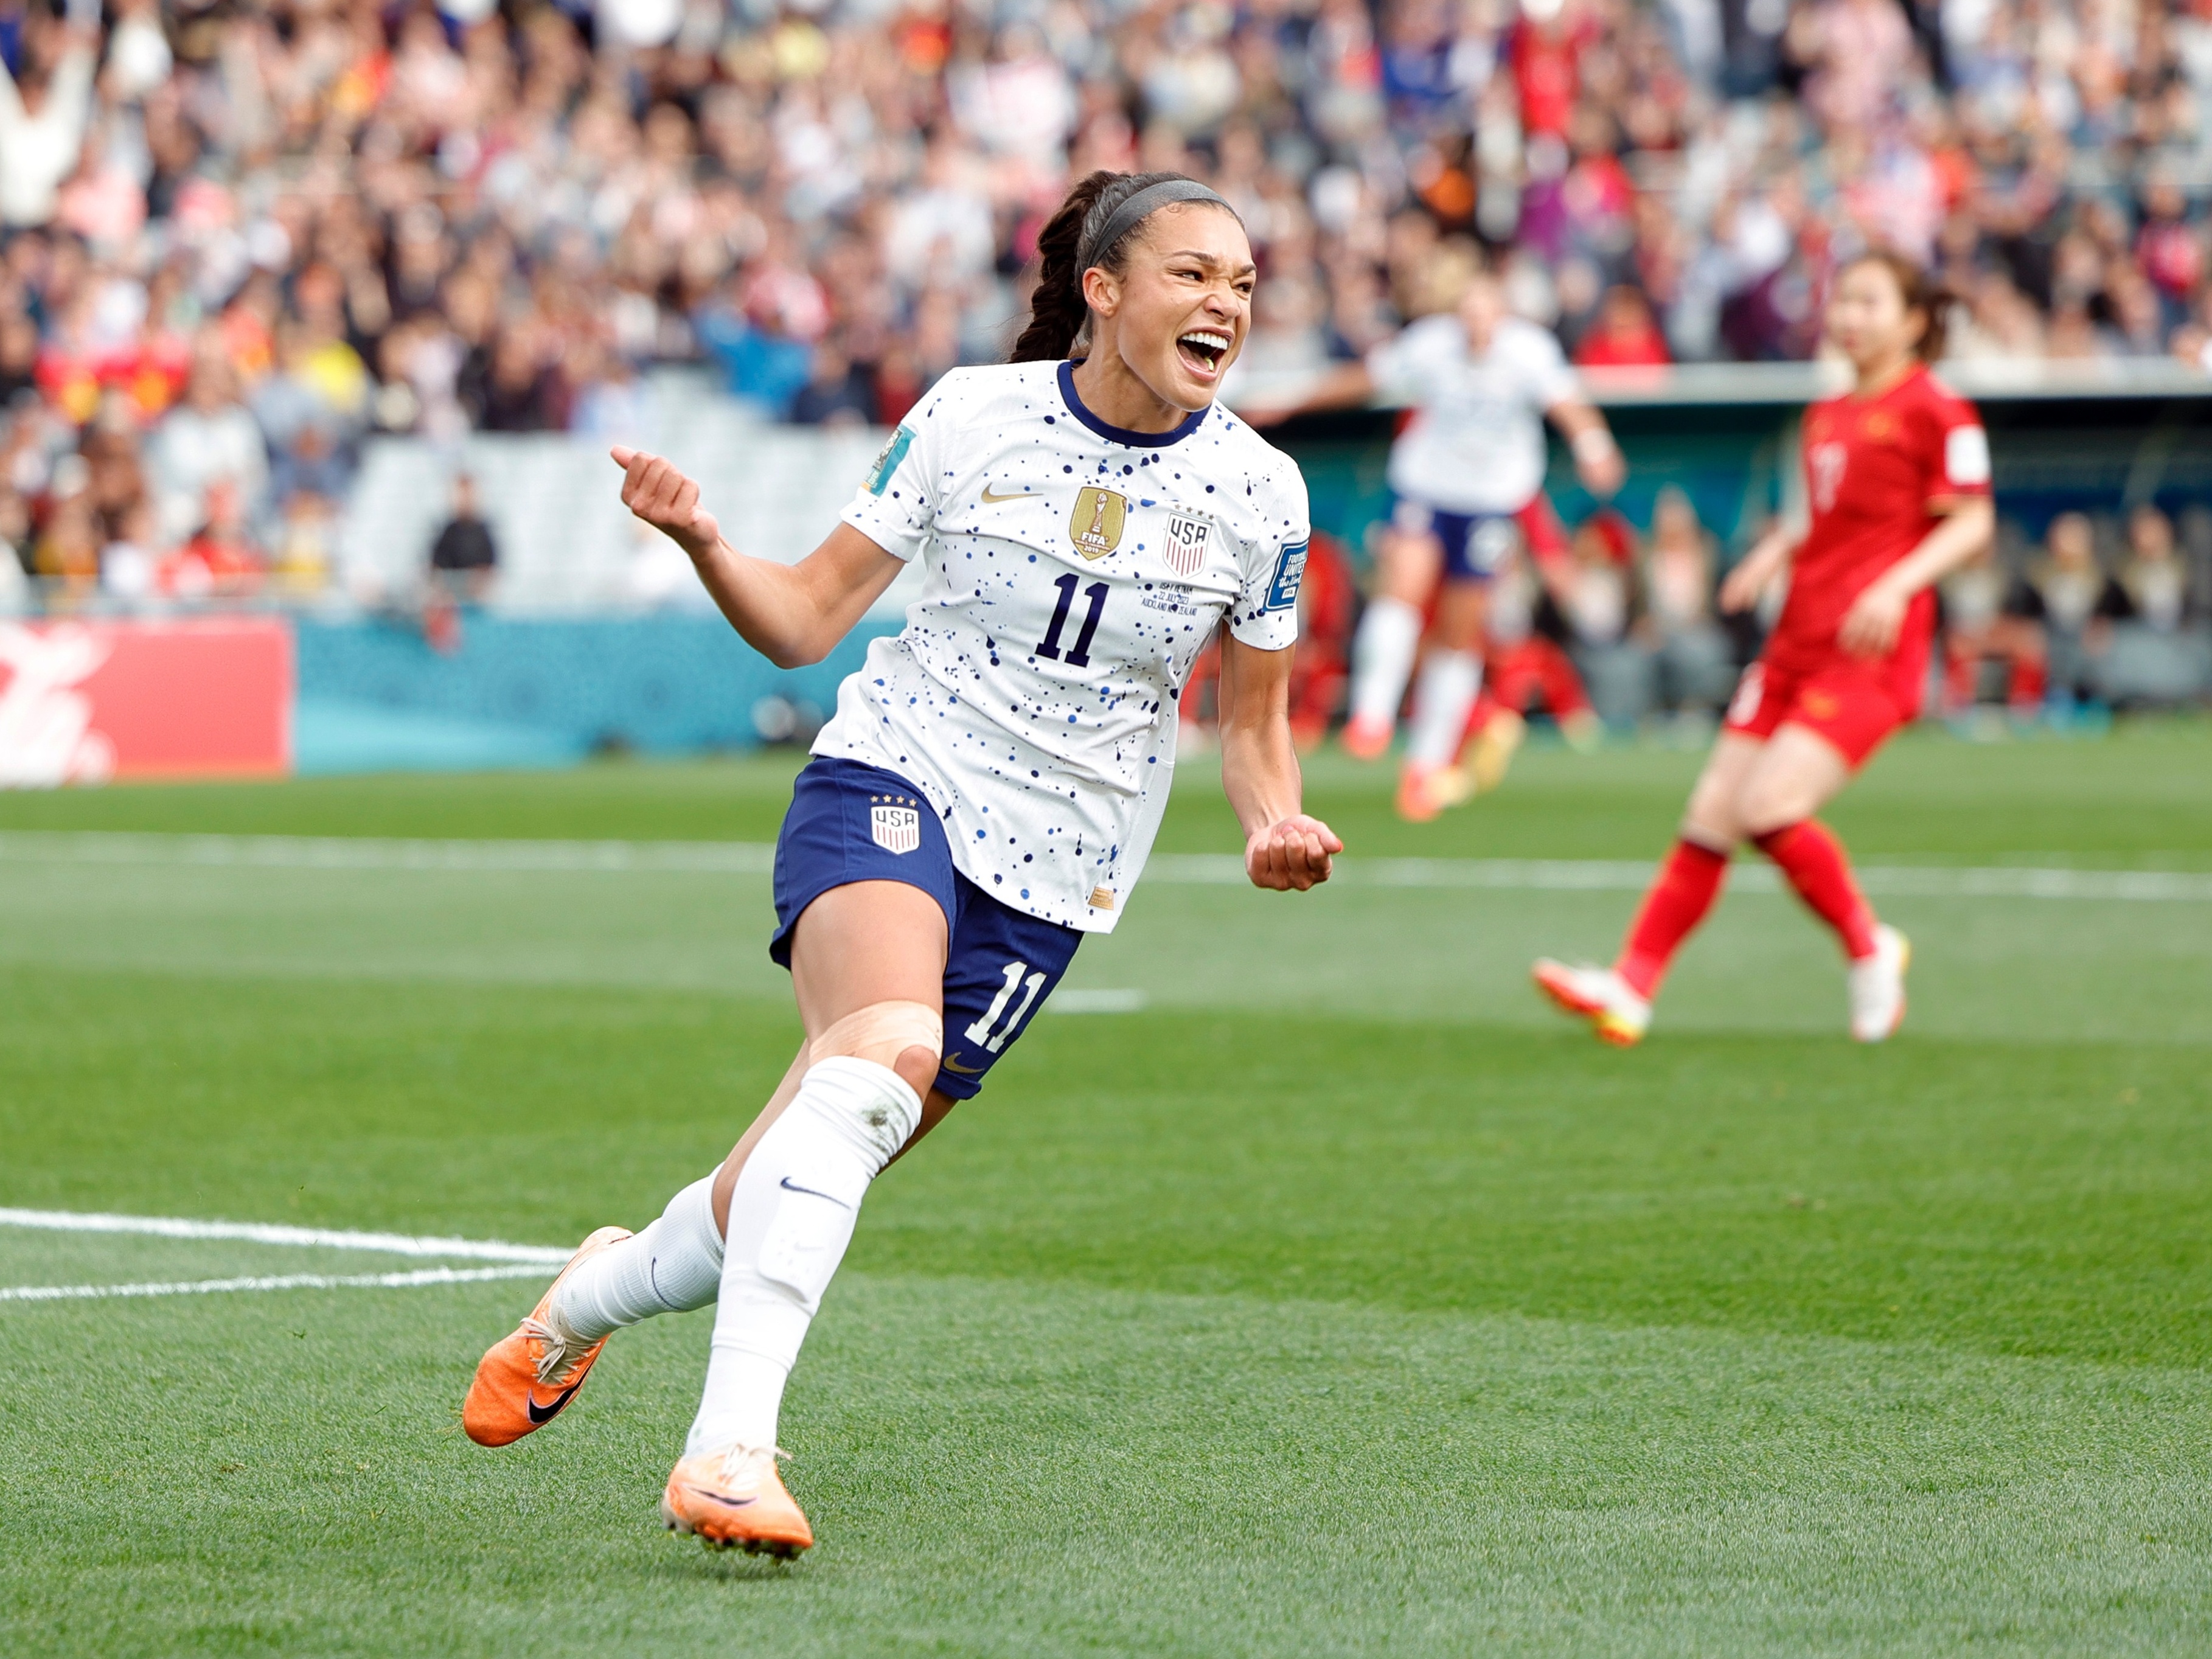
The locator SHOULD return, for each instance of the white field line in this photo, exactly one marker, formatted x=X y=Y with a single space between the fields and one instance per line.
x=258 y=1232
x=1183 y=869
x=274 y=1282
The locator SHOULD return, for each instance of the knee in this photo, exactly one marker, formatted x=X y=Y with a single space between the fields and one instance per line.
x=907 y=1038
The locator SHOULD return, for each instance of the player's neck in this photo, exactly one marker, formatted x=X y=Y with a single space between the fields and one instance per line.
x=1113 y=391
x=1878 y=377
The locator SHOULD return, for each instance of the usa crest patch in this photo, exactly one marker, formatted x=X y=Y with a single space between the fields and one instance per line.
x=894 y=829
x=1186 y=545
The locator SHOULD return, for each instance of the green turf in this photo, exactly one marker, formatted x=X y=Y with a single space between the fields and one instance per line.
x=1336 y=1302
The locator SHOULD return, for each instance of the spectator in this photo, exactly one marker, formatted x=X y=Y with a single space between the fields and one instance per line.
x=43 y=115
x=1625 y=334
x=463 y=558
x=1695 y=668
x=2158 y=652
x=1987 y=622
x=2068 y=596
x=209 y=439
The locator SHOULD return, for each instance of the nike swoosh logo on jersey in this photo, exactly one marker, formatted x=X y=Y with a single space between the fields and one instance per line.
x=1015 y=495
x=958 y=1070
x=546 y=1413
x=790 y=1186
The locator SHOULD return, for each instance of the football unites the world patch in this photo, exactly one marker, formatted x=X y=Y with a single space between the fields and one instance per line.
x=1095 y=526
x=1185 y=549
x=1289 y=571
x=894 y=828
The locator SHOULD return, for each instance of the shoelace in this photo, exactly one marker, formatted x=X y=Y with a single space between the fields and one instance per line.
x=555 y=1360
x=739 y=1454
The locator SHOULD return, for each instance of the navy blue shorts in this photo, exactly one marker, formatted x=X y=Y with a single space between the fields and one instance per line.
x=853 y=822
x=1475 y=544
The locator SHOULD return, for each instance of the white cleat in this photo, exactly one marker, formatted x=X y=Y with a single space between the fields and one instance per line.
x=1878 y=986
x=1599 y=995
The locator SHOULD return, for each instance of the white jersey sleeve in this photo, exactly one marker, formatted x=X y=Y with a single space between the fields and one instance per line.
x=898 y=501
x=1274 y=563
x=1544 y=368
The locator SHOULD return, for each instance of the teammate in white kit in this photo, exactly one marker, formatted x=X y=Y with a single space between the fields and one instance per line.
x=1481 y=383
x=987 y=791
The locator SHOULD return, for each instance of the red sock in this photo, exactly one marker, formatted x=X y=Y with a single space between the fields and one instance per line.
x=1814 y=862
x=1684 y=890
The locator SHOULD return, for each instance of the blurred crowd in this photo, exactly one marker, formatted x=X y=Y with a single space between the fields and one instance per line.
x=241 y=235
x=2098 y=613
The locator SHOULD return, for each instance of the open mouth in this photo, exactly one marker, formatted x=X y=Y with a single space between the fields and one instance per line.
x=1202 y=350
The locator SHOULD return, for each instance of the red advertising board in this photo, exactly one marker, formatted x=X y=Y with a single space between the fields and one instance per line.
x=85 y=701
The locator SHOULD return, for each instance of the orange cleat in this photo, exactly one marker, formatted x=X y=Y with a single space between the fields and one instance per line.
x=527 y=1378
x=1616 y=1014
x=1366 y=740
x=1424 y=792
x=733 y=1498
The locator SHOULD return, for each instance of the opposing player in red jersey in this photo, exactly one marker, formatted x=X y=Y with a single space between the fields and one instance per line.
x=1897 y=473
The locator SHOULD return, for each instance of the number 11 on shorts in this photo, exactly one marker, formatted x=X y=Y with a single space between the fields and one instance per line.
x=980 y=1031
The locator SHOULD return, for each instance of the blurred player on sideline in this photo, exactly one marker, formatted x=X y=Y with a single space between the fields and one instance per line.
x=1897 y=473
x=986 y=793
x=1467 y=470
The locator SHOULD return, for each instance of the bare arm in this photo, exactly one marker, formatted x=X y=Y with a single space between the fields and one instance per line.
x=1871 y=626
x=1597 y=457
x=1755 y=573
x=792 y=614
x=1283 y=848
x=1348 y=385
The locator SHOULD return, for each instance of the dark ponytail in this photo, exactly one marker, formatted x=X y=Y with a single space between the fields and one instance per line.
x=1057 y=312
x=1919 y=291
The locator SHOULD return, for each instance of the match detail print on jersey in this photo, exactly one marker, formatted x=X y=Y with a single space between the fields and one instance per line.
x=1074 y=571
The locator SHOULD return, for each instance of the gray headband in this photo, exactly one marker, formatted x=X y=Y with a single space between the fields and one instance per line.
x=1135 y=211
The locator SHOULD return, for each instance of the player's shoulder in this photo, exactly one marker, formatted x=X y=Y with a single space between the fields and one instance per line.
x=1927 y=390
x=989 y=391
x=1235 y=457
x=1532 y=341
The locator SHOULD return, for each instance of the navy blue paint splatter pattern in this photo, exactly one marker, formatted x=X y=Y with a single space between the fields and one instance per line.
x=1074 y=572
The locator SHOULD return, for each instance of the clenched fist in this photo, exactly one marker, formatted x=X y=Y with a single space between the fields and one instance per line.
x=662 y=496
x=1292 y=855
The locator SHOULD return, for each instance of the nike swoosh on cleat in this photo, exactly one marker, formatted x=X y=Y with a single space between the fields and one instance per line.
x=790 y=1186
x=954 y=1066
x=1015 y=495
x=717 y=1497
x=547 y=1413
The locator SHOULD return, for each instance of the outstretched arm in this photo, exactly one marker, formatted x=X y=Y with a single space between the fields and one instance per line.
x=792 y=614
x=1283 y=848
x=1346 y=386
x=1597 y=457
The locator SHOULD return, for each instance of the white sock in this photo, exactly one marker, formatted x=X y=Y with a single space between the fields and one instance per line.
x=1449 y=682
x=1383 y=659
x=791 y=1218
x=673 y=1266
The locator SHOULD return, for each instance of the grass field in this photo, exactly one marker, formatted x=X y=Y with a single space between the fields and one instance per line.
x=1331 y=1299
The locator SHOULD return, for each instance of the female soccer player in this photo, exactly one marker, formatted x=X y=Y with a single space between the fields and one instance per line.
x=1897 y=473
x=987 y=791
x=1469 y=466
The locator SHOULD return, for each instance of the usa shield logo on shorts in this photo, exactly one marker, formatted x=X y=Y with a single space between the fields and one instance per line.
x=894 y=829
x=1186 y=545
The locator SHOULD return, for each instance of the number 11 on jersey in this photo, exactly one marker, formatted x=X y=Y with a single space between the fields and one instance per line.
x=1079 y=656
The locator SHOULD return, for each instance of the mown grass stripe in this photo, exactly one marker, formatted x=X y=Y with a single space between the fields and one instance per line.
x=1181 y=869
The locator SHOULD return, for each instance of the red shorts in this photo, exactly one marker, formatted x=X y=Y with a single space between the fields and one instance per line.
x=1854 y=705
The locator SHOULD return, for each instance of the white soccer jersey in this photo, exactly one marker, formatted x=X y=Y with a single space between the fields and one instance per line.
x=1074 y=571
x=1476 y=440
